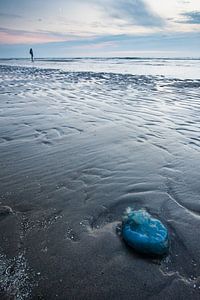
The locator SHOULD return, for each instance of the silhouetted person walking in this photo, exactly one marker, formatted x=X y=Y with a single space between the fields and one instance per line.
x=31 y=53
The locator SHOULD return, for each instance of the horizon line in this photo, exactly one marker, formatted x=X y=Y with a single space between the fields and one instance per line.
x=101 y=57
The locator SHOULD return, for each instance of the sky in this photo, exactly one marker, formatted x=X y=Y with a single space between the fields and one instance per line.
x=106 y=28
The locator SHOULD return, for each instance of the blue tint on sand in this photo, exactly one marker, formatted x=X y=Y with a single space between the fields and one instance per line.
x=144 y=233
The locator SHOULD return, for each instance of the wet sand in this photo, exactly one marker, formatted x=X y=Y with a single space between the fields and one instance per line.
x=76 y=149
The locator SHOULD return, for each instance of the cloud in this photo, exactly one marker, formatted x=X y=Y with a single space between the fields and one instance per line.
x=192 y=17
x=159 y=44
x=68 y=18
x=135 y=12
x=92 y=45
x=12 y=36
x=12 y=16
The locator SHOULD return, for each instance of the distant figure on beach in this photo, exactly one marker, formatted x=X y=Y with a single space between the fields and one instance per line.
x=31 y=53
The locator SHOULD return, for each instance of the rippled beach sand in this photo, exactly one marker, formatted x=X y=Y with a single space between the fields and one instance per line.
x=78 y=148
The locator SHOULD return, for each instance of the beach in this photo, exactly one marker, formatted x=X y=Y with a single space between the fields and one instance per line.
x=80 y=141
